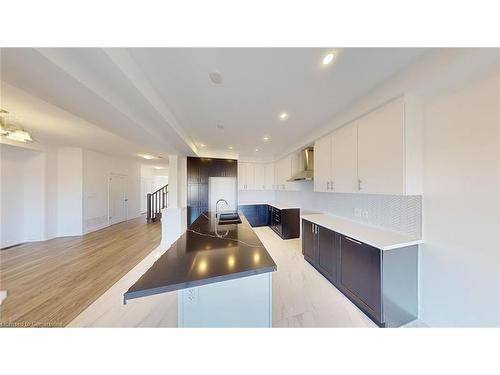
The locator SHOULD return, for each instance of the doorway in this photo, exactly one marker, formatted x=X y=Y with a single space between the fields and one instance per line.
x=117 y=198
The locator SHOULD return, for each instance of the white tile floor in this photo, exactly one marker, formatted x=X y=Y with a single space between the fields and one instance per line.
x=302 y=297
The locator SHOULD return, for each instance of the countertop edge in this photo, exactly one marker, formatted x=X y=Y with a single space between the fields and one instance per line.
x=384 y=247
x=280 y=206
x=127 y=296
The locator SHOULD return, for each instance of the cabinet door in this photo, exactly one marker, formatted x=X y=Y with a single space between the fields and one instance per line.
x=308 y=241
x=259 y=177
x=250 y=176
x=242 y=175
x=345 y=159
x=322 y=164
x=360 y=275
x=269 y=176
x=193 y=170
x=328 y=253
x=381 y=150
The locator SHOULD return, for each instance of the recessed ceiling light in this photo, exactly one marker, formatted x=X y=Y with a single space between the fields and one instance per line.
x=201 y=144
x=265 y=139
x=328 y=58
x=146 y=156
x=230 y=147
x=283 y=116
x=256 y=150
x=215 y=77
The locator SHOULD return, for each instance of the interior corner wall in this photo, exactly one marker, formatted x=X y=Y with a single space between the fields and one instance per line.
x=51 y=184
x=97 y=168
x=69 y=191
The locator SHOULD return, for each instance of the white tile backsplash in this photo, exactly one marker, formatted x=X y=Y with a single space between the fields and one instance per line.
x=394 y=212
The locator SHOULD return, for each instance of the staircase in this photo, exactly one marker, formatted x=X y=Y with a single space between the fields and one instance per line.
x=155 y=203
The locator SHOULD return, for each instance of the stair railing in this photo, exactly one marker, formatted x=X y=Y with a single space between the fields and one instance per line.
x=156 y=201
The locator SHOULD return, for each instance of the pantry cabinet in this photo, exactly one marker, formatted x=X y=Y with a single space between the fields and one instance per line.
x=378 y=153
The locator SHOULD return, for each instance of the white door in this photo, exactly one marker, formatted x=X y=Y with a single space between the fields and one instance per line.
x=323 y=164
x=345 y=159
x=117 y=199
x=381 y=150
x=259 y=177
x=269 y=176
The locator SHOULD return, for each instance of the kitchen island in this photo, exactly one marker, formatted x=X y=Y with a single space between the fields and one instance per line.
x=221 y=272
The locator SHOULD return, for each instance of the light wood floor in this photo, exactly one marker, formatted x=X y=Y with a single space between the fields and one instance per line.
x=49 y=283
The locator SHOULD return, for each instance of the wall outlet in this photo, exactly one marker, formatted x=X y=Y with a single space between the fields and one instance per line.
x=357 y=212
x=365 y=214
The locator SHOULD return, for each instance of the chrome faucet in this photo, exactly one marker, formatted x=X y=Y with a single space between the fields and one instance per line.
x=217 y=206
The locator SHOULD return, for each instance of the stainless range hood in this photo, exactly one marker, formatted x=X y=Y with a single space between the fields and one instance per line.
x=307 y=163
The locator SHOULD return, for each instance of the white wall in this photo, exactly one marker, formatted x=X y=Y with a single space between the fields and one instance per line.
x=22 y=195
x=69 y=191
x=12 y=196
x=34 y=196
x=97 y=168
x=460 y=260
x=51 y=184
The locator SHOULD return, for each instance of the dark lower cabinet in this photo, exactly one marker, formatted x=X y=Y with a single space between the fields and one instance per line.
x=284 y=222
x=257 y=214
x=328 y=253
x=308 y=241
x=383 y=284
x=320 y=247
x=360 y=276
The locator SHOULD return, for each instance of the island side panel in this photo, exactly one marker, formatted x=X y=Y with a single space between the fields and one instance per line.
x=239 y=303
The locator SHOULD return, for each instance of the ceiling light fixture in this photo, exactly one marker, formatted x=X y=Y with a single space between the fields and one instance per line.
x=14 y=132
x=328 y=58
x=201 y=145
x=146 y=156
x=230 y=147
x=265 y=139
x=283 y=116
x=256 y=150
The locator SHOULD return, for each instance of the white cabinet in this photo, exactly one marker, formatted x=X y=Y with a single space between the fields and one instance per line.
x=379 y=153
x=255 y=176
x=323 y=164
x=259 y=177
x=381 y=150
x=269 y=176
x=246 y=176
x=285 y=169
x=345 y=159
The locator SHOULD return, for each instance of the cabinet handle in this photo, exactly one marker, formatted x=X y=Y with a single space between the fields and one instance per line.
x=331 y=185
x=359 y=184
x=327 y=185
x=350 y=239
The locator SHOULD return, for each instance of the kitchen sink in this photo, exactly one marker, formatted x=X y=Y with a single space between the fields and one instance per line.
x=229 y=218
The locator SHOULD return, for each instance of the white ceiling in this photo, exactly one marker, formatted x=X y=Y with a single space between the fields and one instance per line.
x=161 y=100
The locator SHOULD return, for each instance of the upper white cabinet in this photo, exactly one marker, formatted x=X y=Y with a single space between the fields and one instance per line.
x=255 y=176
x=246 y=176
x=269 y=176
x=344 y=160
x=381 y=154
x=323 y=164
x=378 y=153
x=285 y=168
x=259 y=177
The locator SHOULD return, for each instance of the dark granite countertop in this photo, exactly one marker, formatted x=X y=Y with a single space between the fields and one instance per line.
x=206 y=253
